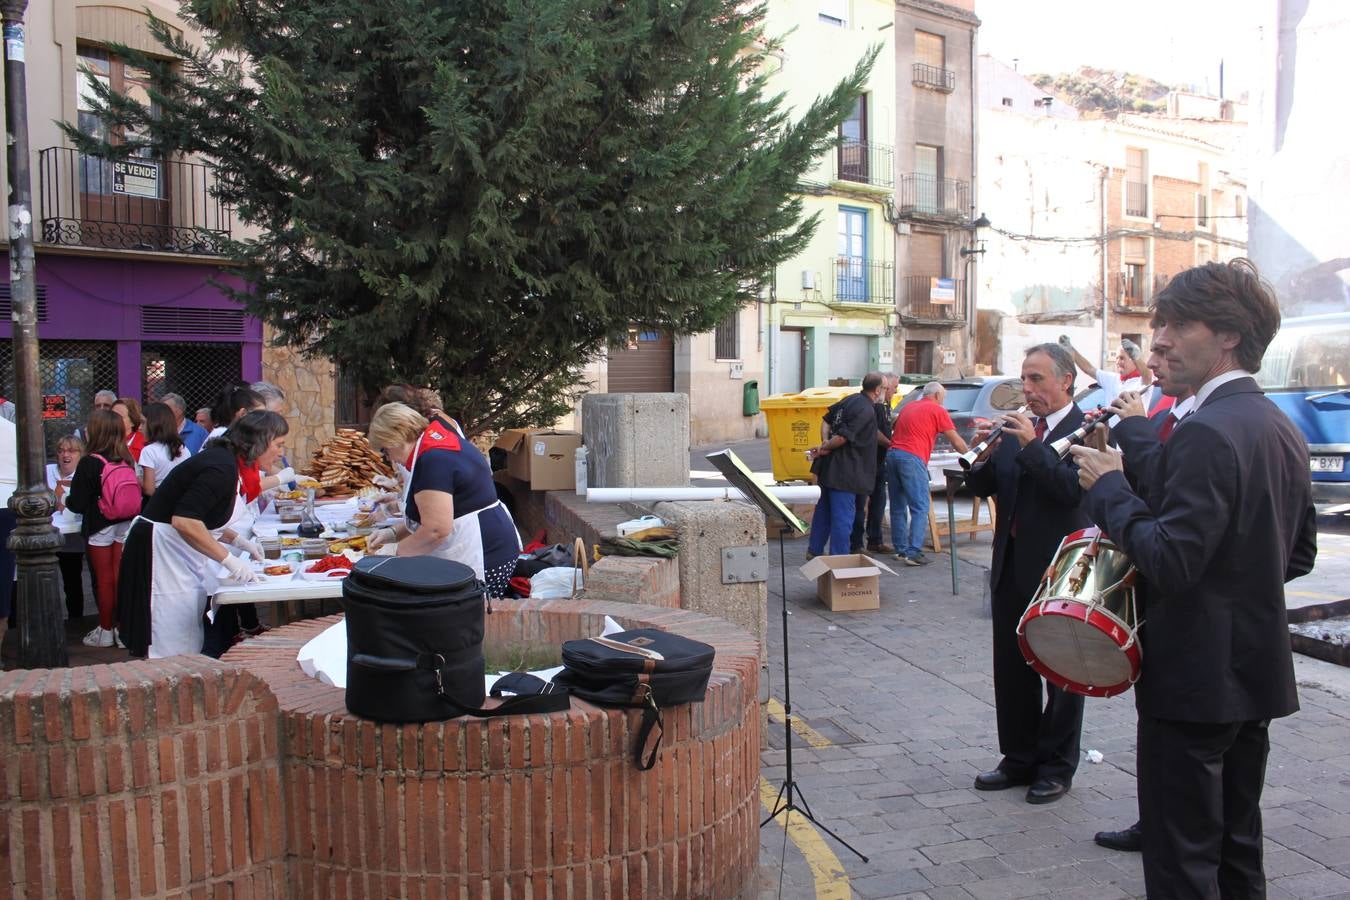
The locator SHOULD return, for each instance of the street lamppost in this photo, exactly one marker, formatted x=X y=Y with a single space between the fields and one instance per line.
x=969 y=255
x=42 y=641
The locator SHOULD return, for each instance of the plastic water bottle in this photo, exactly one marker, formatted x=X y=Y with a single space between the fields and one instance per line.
x=581 y=470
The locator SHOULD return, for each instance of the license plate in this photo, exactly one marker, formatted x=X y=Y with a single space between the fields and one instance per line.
x=1328 y=463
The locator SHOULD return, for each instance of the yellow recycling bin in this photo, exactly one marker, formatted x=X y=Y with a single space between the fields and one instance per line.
x=794 y=428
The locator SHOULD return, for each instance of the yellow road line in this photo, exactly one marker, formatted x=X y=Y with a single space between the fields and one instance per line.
x=804 y=731
x=826 y=870
x=1315 y=595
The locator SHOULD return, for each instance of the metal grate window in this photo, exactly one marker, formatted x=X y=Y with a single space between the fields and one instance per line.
x=70 y=372
x=196 y=371
x=7 y=304
x=727 y=337
x=176 y=320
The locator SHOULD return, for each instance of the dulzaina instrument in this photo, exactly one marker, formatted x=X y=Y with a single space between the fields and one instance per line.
x=1091 y=420
x=1081 y=629
x=968 y=458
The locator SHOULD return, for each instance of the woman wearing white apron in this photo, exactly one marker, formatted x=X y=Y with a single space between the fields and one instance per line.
x=450 y=501
x=171 y=557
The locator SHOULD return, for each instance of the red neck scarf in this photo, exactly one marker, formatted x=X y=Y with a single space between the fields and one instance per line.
x=437 y=436
x=250 y=480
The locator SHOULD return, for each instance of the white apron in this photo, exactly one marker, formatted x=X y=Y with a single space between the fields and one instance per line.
x=464 y=544
x=180 y=580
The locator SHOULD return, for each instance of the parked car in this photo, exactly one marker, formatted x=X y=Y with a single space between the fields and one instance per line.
x=1306 y=372
x=974 y=402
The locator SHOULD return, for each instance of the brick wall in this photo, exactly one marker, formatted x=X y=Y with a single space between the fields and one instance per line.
x=539 y=806
x=141 y=779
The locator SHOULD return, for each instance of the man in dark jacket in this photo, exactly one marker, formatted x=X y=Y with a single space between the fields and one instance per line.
x=1233 y=521
x=1039 y=725
x=845 y=466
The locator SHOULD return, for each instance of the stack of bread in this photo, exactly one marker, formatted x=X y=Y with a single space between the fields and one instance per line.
x=347 y=464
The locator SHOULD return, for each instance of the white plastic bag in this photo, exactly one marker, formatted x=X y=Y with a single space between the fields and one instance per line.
x=557 y=582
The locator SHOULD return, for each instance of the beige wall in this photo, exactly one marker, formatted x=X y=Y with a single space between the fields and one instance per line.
x=715 y=386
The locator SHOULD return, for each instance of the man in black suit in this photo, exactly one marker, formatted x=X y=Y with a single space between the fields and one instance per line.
x=1141 y=440
x=1038 y=504
x=1233 y=522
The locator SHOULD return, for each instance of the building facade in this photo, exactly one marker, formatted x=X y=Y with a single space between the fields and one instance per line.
x=935 y=198
x=1092 y=216
x=130 y=279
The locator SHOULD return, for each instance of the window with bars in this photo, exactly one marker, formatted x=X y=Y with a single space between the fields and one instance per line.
x=194 y=371
x=1136 y=182
x=727 y=337
x=70 y=373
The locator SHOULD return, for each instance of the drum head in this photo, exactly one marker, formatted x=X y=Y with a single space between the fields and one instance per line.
x=1076 y=652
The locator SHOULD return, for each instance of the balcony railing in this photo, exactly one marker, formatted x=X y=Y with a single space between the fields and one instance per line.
x=132 y=204
x=926 y=297
x=1136 y=198
x=1130 y=293
x=858 y=280
x=934 y=77
x=866 y=163
x=927 y=195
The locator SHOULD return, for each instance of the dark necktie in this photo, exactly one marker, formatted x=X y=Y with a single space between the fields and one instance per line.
x=1040 y=434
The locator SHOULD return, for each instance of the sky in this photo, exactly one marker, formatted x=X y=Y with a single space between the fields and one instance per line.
x=1174 y=41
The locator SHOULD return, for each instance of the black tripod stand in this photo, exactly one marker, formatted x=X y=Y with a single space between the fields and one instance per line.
x=790 y=793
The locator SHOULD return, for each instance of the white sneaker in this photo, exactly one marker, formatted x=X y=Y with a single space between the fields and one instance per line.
x=117 y=638
x=100 y=637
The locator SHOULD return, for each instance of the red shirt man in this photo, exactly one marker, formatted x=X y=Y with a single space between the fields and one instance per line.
x=919 y=423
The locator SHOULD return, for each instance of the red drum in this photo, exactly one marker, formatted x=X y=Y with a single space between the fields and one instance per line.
x=1080 y=630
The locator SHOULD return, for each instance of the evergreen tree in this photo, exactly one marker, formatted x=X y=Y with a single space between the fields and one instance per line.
x=480 y=195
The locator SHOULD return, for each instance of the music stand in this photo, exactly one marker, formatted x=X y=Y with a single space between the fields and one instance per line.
x=740 y=476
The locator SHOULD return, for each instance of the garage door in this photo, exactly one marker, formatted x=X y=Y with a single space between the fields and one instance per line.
x=850 y=356
x=645 y=366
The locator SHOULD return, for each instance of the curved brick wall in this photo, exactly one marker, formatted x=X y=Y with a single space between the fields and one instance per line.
x=540 y=806
x=152 y=778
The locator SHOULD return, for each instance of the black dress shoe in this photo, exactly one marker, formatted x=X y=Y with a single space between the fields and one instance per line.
x=1129 y=840
x=1046 y=790
x=998 y=780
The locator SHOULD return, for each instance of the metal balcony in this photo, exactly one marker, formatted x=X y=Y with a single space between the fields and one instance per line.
x=866 y=162
x=934 y=77
x=918 y=293
x=134 y=204
x=935 y=198
x=857 y=280
x=1136 y=198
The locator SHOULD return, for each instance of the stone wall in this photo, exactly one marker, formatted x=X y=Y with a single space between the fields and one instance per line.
x=310 y=386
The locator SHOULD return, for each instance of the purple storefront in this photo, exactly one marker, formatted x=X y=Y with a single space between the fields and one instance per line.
x=141 y=324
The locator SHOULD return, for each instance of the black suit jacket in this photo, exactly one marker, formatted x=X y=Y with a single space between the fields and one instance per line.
x=1040 y=492
x=1232 y=520
x=1139 y=440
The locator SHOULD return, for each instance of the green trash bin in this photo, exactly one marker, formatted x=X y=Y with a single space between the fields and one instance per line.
x=750 y=398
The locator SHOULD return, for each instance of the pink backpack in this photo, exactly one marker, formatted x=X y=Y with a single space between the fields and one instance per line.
x=119 y=496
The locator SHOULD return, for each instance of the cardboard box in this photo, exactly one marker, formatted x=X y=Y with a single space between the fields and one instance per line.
x=543 y=457
x=848 y=582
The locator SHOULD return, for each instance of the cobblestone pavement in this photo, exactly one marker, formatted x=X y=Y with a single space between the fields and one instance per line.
x=902 y=701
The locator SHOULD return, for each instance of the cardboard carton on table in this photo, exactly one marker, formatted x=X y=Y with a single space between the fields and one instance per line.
x=849 y=582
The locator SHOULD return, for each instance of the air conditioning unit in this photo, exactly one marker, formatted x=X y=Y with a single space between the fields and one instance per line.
x=808 y=280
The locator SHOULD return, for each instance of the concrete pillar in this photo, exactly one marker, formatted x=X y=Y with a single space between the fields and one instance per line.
x=636 y=440
x=705 y=527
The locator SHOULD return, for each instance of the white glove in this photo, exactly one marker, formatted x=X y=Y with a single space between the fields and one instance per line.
x=239 y=570
x=379 y=537
x=287 y=475
x=251 y=547
x=385 y=481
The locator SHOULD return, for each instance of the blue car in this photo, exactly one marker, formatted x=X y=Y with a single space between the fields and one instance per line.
x=1306 y=372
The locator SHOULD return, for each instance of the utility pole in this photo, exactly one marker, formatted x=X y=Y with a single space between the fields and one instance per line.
x=42 y=639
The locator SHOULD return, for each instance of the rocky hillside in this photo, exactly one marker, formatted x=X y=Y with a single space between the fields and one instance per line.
x=1105 y=90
